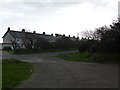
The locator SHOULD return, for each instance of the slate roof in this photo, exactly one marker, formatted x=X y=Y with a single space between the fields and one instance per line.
x=17 y=34
x=20 y=34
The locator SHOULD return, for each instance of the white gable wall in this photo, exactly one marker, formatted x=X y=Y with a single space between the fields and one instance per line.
x=8 y=38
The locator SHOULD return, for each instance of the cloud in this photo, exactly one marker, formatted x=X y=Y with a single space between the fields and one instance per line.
x=84 y=14
x=51 y=16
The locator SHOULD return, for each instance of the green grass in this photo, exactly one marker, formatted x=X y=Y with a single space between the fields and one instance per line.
x=26 y=51
x=14 y=73
x=84 y=57
x=104 y=58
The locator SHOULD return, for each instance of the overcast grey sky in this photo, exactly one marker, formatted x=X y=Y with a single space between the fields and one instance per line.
x=56 y=16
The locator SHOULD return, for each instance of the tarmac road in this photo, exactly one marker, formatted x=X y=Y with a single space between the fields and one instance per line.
x=29 y=57
x=51 y=72
x=57 y=73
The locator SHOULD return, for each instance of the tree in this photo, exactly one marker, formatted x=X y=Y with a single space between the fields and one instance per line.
x=88 y=34
x=106 y=39
x=65 y=43
x=83 y=46
x=42 y=43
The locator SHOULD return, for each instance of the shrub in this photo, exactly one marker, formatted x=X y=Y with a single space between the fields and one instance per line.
x=83 y=46
x=25 y=51
x=106 y=57
x=8 y=61
x=7 y=48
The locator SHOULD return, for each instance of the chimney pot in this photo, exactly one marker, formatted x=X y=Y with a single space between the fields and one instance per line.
x=52 y=34
x=34 y=31
x=64 y=35
x=23 y=30
x=8 y=28
x=43 y=33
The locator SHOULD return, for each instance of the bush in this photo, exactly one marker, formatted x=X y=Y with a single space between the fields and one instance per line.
x=90 y=46
x=65 y=43
x=83 y=46
x=105 y=39
x=8 y=61
x=25 y=51
x=7 y=48
x=106 y=57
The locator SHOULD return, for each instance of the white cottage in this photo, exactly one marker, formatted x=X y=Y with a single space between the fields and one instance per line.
x=11 y=37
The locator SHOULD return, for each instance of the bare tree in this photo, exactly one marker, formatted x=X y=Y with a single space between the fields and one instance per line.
x=88 y=34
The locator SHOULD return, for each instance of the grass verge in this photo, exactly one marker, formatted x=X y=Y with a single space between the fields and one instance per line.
x=13 y=73
x=105 y=58
x=32 y=51
x=84 y=57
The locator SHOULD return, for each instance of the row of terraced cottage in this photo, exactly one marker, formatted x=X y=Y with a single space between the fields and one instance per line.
x=17 y=36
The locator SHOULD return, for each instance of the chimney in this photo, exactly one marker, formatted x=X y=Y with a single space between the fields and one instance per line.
x=56 y=34
x=8 y=28
x=23 y=30
x=43 y=33
x=64 y=35
x=34 y=31
x=52 y=34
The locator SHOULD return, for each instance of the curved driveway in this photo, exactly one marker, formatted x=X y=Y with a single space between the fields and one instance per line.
x=51 y=72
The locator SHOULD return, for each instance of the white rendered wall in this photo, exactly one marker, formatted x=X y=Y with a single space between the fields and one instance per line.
x=8 y=38
x=119 y=9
